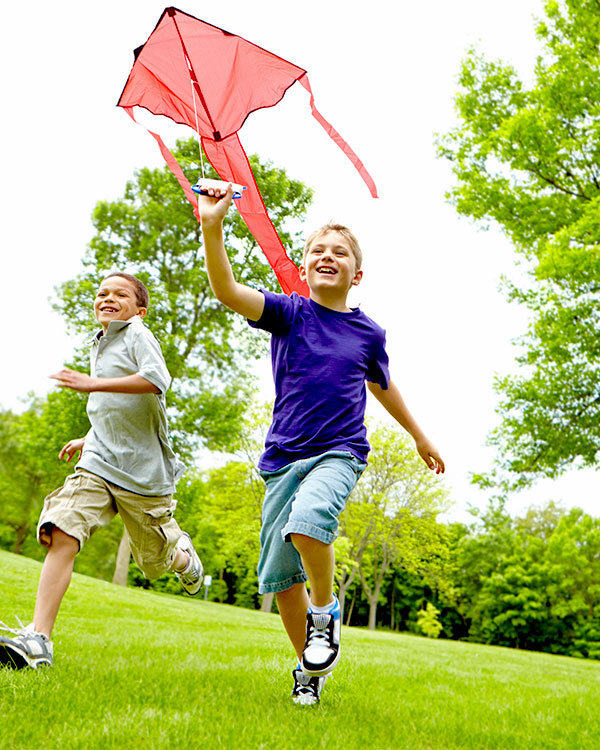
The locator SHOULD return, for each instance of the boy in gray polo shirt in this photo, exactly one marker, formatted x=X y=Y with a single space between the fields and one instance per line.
x=127 y=466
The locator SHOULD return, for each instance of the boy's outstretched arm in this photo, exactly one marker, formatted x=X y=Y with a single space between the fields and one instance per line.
x=238 y=297
x=79 y=381
x=394 y=404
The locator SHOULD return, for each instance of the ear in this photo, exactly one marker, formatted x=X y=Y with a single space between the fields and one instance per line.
x=141 y=311
x=357 y=278
x=302 y=271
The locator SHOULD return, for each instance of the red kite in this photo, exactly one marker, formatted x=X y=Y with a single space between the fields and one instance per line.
x=204 y=77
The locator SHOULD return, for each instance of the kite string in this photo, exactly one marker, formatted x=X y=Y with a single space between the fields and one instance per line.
x=197 y=124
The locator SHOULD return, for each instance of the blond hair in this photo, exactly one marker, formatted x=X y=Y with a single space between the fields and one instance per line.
x=346 y=234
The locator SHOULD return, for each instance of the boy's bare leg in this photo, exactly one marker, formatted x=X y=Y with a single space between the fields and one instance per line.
x=318 y=559
x=293 y=606
x=180 y=560
x=321 y=650
x=54 y=580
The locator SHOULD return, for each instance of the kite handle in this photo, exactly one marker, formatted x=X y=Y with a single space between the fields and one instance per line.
x=201 y=187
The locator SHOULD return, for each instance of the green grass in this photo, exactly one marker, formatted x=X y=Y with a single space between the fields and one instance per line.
x=135 y=669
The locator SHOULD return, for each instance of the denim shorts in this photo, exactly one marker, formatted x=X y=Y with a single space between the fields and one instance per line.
x=304 y=497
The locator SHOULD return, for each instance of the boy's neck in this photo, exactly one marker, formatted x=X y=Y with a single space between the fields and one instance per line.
x=333 y=302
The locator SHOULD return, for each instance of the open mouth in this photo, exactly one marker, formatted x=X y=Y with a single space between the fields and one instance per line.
x=327 y=270
x=108 y=309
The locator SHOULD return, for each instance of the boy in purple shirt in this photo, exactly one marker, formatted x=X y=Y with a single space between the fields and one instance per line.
x=322 y=354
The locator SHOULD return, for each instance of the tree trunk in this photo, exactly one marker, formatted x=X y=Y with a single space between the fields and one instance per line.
x=267 y=602
x=342 y=601
x=373 y=602
x=122 y=564
x=20 y=537
x=351 y=607
x=372 y=613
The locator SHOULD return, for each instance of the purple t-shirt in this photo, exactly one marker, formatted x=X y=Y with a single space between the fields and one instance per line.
x=321 y=359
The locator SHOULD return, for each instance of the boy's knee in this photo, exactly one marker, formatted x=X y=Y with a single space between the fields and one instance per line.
x=57 y=540
x=302 y=542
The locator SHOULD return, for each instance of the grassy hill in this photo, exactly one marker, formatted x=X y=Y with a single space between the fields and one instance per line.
x=135 y=669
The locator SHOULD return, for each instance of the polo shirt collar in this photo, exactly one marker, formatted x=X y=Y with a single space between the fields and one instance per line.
x=114 y=327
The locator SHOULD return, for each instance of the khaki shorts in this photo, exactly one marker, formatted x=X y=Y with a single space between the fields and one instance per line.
x=86 y=503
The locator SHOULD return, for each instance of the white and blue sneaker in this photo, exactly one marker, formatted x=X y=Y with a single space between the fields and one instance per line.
x=26 y=649
x=307 y=688
x=322 y=647
x=191 y=578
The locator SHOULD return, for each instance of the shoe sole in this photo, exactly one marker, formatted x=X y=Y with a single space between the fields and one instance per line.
x=13 y=659
x=191 y=592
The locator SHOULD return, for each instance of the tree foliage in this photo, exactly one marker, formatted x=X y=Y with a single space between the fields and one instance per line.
x=29 y=467
x=390 y=517
x=526 y=156
x=533 y=582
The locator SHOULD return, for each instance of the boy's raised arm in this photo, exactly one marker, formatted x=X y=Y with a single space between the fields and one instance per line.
x=239 y=297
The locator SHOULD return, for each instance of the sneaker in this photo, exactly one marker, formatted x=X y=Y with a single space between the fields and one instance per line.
x=307 y=688
x=26 y=649
x=191 y=578
x=322 y=647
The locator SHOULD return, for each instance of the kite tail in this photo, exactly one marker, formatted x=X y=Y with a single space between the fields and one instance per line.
x=231 y=163
x=173 y=165
x=335 y=136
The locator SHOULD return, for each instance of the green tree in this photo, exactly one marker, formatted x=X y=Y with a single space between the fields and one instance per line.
x=573 y=562
x=390 y=516
x=29 y=467
x=526 y=156
x=428 y=622
x=533 y=582
x=221 y=509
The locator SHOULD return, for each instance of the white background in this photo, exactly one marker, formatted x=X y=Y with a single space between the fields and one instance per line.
x=384 y=74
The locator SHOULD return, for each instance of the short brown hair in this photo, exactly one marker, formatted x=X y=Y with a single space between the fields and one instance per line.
x=142 y=296
x=345 y=232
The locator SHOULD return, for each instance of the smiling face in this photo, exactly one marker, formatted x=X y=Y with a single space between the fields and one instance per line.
x=116 y=300
x=329 y=269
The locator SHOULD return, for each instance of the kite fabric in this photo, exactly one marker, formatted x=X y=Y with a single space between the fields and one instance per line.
x=211 y=80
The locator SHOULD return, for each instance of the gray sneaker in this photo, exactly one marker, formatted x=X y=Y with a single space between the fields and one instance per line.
x=191 y=578
x=26 y=649
x=307 y=688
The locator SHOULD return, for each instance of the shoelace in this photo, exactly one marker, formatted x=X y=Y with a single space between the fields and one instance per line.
x=318 y=631
x=308 y=688
x=316 y=637
x=23 y=630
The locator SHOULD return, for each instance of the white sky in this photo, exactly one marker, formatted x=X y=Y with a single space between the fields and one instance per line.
x=385 y=77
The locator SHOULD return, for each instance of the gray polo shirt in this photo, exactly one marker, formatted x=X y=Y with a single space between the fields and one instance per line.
x=128 y=443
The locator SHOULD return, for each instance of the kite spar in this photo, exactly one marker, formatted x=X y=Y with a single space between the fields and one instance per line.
x=211 y=80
